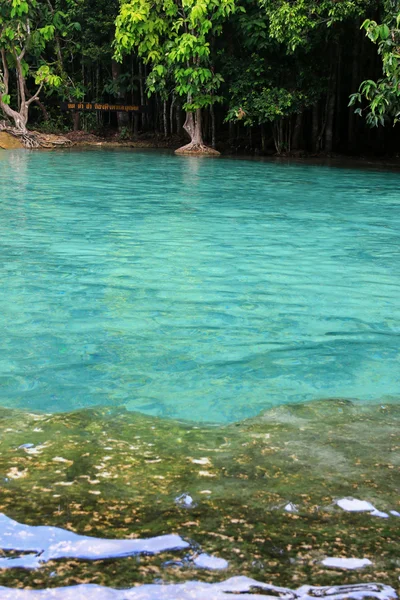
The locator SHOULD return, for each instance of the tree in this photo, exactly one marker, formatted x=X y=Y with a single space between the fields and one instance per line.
x=268 y=87
x=383 y=95
x=318 y=29
x=174 y=37
x=23 y=30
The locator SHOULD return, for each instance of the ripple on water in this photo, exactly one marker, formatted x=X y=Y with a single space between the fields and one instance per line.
x=205 y=292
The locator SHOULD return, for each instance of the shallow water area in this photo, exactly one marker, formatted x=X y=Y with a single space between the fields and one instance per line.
x=260 y=499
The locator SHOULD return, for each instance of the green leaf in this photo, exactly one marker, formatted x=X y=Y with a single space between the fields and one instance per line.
x=384 y=32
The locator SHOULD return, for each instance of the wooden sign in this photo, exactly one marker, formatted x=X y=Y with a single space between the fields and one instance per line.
x=99 y=106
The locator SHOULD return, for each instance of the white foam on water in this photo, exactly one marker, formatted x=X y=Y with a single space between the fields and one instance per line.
x=346 y=563
x=379 y=513
x=27 y=561
x=354 y=505
x=236 y=588
x=205 y=561
x=290 y=507
x=185 y=500
x=53 y=543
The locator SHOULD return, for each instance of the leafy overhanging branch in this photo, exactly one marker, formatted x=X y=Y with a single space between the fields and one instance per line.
x=380 y=100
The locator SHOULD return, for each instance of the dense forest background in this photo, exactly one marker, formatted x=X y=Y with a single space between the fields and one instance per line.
x=257 y=76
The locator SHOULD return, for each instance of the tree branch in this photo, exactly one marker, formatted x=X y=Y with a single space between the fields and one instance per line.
x=21 y=78
x=35 y=96
x=6 y=75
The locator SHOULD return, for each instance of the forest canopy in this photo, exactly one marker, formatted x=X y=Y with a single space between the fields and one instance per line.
x=252 y=75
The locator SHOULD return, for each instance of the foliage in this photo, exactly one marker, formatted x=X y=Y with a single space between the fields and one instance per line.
x=264 y=62
x=299 y=23
x=175 y=38
x=383 y=95
x=264 y=92
x=54 y=124
x=25 y=32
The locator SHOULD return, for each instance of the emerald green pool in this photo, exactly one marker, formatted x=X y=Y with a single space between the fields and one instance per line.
x=203 y=290
x=199 y=378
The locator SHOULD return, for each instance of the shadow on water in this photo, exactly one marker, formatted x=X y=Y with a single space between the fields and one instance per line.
x=302 y=494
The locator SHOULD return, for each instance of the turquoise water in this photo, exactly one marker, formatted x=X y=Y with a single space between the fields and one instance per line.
x=206 y=290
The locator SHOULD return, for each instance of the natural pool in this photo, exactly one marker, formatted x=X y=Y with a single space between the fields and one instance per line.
x=213 y=308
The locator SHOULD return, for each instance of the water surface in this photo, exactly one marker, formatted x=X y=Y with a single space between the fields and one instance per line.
x=170 y=292
x=204 y=290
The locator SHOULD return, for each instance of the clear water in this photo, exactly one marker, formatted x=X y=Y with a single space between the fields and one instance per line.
x=196 y=289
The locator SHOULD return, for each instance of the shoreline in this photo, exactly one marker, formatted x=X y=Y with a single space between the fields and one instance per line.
x=89 y=141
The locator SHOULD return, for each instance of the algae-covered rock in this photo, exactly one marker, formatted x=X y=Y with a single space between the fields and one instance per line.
x=225 y=490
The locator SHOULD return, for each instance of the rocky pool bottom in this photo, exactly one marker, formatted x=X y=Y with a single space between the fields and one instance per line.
x=285 y=499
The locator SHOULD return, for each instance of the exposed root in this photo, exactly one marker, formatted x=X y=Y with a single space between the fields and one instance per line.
x=197 y=150
x=35 y=139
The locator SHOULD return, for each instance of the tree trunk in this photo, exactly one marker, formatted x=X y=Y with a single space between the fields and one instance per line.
x=178 y=114
x=197 y=137
x=338 y=104
x=76 y=120
x=122 y=117
x=39 y=103
x=213 y=136
x=142 y=84
x=165 y=118
x=329 y=121
x=231 y=133
x=297 y=131
x=331 y=102
x=171 y=114
x=193 y=127
x=135 y=126
x=315 y=127
x=351 y=124
x=263 y=144
x=277 y=129
x=189 y=125
x=20 y=117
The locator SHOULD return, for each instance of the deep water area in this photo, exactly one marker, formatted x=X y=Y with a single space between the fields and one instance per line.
x=195 y=289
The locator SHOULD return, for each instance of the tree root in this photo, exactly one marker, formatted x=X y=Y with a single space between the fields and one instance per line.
x=35 y=139
x=197 y=150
